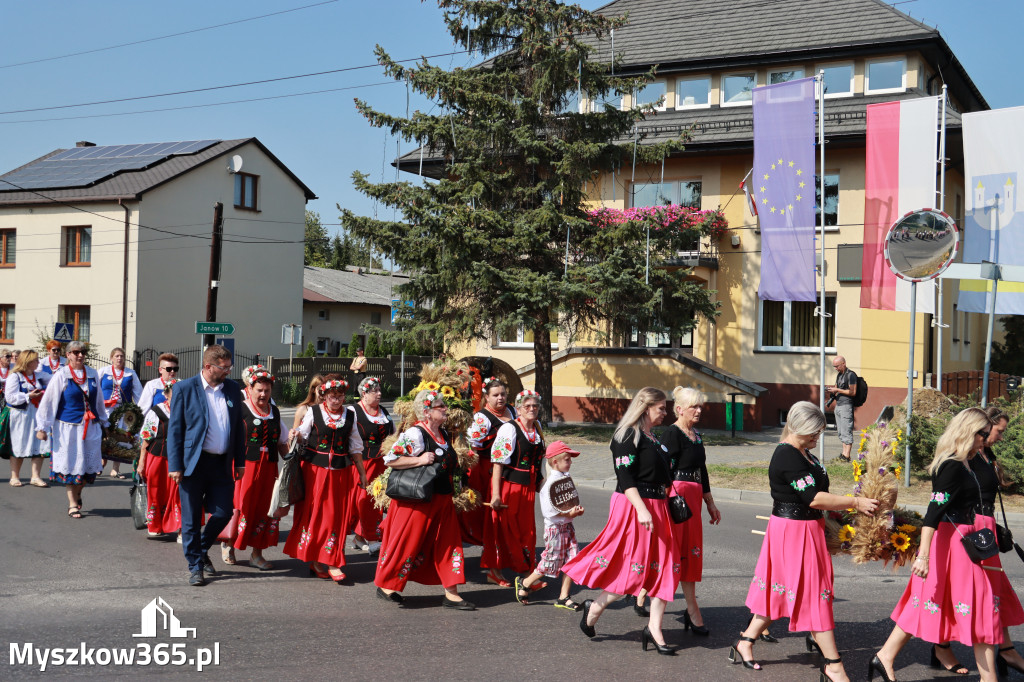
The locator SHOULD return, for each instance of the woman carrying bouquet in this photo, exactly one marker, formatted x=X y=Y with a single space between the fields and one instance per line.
x=375 y=425
x=793 y=578
x=949 y=596
x=421 y=539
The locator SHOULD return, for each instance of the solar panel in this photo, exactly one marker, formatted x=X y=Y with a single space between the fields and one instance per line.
x=84 y=166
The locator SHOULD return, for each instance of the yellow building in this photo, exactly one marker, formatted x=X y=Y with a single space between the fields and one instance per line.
x=708 y=59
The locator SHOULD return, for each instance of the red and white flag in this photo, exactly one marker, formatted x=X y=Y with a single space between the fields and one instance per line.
x=751 y=204
x=902 y=148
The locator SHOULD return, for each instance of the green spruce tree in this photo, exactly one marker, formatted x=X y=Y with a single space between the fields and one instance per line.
x=486 y=243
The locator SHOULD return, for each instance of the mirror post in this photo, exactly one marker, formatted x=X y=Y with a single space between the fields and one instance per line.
x=910 y=380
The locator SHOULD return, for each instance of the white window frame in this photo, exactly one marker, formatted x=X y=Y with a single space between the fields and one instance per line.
x=323 y=345
x=833 y=65
x=774 y=71
x=839 y=190
x=868 y=90
x=323 y=314
x=688 y=79
x=520 y=341
x=634 y=96
x=721 y=89
x=787 y=321
x=591 y=105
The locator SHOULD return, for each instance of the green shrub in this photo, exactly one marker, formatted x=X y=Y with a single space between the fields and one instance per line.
x=290 y=392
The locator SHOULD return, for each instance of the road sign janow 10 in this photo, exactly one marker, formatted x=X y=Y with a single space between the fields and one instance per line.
x=224 y=328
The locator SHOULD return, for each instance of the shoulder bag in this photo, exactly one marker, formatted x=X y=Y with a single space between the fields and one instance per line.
x=980 y=544
x=139 y=504
x=415 y=484
x=678 y=509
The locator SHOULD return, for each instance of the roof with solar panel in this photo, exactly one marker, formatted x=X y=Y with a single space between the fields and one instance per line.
x=110 y=172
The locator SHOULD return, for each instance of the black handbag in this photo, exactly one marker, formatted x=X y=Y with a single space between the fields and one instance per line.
x=139 y=503
x=678 y=509
x=290 y=485
x=415 y=484
x=980 y=544
x=1003 y=534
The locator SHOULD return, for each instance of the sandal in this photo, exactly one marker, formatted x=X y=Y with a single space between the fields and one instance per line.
x=522 y=593
x=39 y=483
x=498 y=580
x=568 y=603
x=15 y=483
x=118 y=475
x=539 y=585
x=74 y=512
x=956 y=666
x=227 y=555
x=261 y=563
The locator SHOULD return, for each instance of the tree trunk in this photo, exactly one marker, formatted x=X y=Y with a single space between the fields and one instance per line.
x=542 y=363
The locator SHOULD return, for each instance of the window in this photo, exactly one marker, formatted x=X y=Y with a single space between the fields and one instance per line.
x=793 y=326
x=8 y=240
x=322 y=345
x=684 y=193
x=246 y=187
x=323 y=314
x=77 y=246
x=955 y=327
x=658 y=339
x=375 y=318
x=838 y=80
x=885 y=75
x=523 y=337
x=693 y=93
x=598 y=102
x=652 y=93
x=571 y=104
x=776 y=77
x=78 y=316
x=831 y=199
x=736 y=89
x=6 y=324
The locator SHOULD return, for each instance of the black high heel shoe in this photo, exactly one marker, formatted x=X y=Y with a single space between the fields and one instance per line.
x=826 y=664
x=736 y=657
x=697 y=629
x=647 y=638
x=1003 y=666
x=765 y=636
x=955 y=668
x=875 y=666
x=640 y=609
x=811 y=646
x=588 y=630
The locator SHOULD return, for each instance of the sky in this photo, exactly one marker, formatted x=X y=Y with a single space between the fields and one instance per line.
x=320 y=137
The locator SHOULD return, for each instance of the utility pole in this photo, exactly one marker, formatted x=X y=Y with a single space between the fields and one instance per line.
x=215 y=251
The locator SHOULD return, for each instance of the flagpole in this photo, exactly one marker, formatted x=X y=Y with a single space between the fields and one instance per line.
x=820 y=78
x=942 y=203
x=910 y=381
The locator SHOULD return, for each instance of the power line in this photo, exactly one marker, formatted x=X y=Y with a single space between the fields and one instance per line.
x=223 y=87
x=164 y=37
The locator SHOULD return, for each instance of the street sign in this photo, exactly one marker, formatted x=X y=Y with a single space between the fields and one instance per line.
x=291 y=334
x=225 y=328
x=64 y=332
x=228 y=343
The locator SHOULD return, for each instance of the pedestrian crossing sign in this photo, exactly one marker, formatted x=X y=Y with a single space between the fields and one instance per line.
x=64 y=332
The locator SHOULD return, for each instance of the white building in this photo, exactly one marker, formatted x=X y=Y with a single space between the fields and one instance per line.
x=337 y=303
x=116 y=239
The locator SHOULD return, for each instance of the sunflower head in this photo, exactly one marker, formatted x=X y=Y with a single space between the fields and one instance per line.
x=907 y=528
x=378 y=488
x=900 y=541
x=432 y=386
x=448 y=391
x=846 y=533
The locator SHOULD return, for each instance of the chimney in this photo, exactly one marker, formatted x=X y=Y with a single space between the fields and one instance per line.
x=83 y=143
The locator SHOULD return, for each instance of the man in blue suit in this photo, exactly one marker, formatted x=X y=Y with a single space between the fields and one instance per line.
x=205 y=453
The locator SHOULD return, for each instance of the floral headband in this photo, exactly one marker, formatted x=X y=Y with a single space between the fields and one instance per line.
x=369 y=384
x=523 y=395
x=168 y=384
x=334 y=385
x=256 y=372
x=430 y=398
x=491 y=380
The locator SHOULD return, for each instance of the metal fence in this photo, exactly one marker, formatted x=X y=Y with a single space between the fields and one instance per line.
x=387 y=369
x=190 y=362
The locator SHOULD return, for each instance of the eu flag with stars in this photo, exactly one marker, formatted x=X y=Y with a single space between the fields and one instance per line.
x=783 y=184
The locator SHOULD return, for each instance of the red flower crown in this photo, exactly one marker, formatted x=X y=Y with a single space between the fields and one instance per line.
x=333 y=385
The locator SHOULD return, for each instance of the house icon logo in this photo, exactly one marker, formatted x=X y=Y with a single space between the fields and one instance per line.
x=158 y=617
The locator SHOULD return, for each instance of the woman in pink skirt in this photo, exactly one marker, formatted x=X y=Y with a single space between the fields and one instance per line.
x=636 y=550
x=949 y=596
x=793 y=577
x=690 y=480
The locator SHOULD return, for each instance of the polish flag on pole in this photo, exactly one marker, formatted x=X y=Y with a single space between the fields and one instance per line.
x=902 y=148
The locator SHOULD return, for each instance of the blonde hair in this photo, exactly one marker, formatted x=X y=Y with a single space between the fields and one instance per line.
x=418 y=407
x=313 y=394
x=803 y=419
x=957 y=441
x=685 y=397
x=25 y=358
x=636 y=412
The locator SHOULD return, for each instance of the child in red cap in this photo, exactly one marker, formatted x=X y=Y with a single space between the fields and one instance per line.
x=560 y=503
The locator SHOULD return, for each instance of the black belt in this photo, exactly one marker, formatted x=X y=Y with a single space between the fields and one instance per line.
x=651 y=491
x=960 y=517
x=517 y=476
x=797 y=511
x=691 y=475
x=23 y=406
x=985 y=509
x=212 y=454
x=330 y=461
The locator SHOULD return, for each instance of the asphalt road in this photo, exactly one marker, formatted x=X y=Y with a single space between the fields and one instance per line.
x=65 y=582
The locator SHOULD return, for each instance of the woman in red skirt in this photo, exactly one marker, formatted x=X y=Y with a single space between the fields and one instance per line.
x=163 y=513
x=636 y=550
x=793 y=577
x=421 y=541
x=690 y=480
x=375 y=425
x=482 y=432
x=266 y=439
x=949 y=596
x=516 y=455
x=323 y=516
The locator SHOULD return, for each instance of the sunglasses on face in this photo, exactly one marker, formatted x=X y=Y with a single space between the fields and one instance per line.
x=76 y=352
x=984 y=434
x=168 y=369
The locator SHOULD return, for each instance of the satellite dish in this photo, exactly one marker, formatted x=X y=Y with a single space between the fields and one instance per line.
x=236 y=164
x=921 y=245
